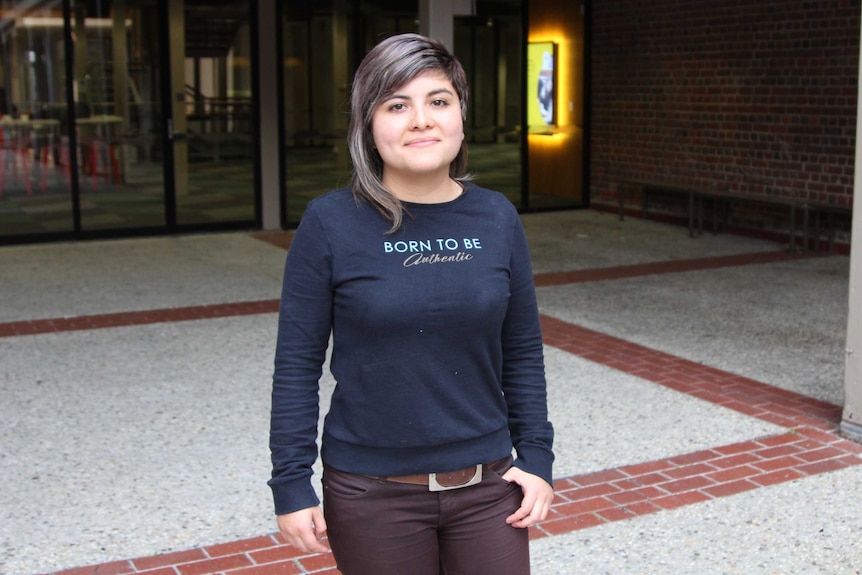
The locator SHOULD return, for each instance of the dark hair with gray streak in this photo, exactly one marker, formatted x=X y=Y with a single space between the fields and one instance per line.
x=390 y=65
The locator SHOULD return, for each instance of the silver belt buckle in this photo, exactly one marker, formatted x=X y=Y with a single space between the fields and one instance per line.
x=434 y=485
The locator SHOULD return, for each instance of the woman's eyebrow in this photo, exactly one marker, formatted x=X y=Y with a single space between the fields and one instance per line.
x=430 y=94
x=440 y=91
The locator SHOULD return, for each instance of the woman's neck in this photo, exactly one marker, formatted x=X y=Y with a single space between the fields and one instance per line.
x=418 y=190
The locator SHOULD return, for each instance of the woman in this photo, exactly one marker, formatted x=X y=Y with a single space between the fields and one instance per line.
x=424 y=282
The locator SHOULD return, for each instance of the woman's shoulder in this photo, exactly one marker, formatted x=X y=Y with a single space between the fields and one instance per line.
x=335 y=206
x=333 y=200
x=492 y=200
x=486 y=194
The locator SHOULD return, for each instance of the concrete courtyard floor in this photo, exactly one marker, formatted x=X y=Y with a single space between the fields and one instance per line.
x=695 y=386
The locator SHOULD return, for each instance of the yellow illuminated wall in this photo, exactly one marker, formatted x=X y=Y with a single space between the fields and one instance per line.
x=555 y=155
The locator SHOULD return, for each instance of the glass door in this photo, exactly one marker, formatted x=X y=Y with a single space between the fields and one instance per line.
x=35 y=196
x=123 y=115
x=211 y=126
x=124 y=60
x=118 y=117
x=323 y=43
x=490 y=49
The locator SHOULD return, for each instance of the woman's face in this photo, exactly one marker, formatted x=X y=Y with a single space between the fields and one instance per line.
x=418 y=130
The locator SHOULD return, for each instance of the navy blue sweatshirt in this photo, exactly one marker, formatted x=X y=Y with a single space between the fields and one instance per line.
x=437 y=349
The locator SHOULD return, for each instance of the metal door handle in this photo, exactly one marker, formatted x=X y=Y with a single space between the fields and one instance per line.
x=176 y=136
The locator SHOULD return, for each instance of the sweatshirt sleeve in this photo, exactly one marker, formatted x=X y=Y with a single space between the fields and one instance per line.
x=304 y=325
x=524 y=384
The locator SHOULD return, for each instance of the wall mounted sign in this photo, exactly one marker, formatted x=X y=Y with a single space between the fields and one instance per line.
x=541 y=87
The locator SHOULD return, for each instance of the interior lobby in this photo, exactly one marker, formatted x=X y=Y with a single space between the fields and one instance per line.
x=203 y=115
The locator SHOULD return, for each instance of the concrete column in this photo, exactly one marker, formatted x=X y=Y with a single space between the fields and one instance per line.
x=120 y=41
x=270 y=152
x=120 y=73
x=340 y=83
x=851 y=424
x=82 y=82
x=177 y=39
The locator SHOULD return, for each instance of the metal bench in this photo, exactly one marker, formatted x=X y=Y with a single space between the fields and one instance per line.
x=721 y=202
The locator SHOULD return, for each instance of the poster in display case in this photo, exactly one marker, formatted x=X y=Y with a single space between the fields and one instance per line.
x=541 y=88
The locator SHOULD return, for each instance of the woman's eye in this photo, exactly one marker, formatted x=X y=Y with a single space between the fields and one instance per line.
x=439 y=103
x=397 y=106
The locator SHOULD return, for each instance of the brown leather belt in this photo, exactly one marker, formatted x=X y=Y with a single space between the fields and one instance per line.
x=447 y=480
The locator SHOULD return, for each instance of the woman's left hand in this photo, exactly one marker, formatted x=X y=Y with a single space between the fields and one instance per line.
x=538 y=495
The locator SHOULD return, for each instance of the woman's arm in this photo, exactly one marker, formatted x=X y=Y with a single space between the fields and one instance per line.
x=304 y=325
x=524 y=384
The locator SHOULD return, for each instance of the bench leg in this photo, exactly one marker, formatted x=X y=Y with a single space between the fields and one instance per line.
x=793 y=227
x=645 y=207
x=621 y=193
x=691 y=201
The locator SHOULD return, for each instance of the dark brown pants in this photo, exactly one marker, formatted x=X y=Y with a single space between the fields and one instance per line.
x=379 y=527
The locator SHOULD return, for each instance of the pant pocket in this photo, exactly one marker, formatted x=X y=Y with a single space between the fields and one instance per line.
x=346 y=485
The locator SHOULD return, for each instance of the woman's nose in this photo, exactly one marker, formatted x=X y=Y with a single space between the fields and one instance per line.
x=420 y=120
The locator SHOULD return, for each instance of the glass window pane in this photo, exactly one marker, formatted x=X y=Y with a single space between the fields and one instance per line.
x=214 y=167
x=117 y=114
x=316 y=87
x=489 y=47
x=35 y=195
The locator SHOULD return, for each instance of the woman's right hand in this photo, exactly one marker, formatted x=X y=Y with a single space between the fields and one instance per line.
x=304 y=529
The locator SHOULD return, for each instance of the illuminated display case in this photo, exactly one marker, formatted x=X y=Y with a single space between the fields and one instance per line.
x=541 y=87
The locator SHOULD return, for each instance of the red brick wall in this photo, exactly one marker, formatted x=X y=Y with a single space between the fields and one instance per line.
x=752 y=96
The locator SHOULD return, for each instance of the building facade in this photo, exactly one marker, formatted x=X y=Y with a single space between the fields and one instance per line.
x=133 y=117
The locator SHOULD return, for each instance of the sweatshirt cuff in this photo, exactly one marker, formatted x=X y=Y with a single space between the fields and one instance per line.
x=537 y=462
x=290 y=496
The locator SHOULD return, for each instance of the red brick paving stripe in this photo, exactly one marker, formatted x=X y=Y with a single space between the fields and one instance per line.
x=243 y=546
x=283 y=239
x=581 y=502
x=144 y=564
x=592 y=499
x=753 y=398
x=122 y=319
x=695 y=477
x=271 y=569
x=279 y=239
x=668 y=267
x=217 y=565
